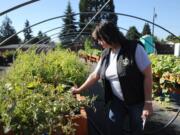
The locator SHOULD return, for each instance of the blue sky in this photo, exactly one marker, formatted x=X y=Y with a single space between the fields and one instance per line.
x=168 y=12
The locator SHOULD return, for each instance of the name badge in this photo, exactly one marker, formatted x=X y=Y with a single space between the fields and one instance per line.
x=125 y=62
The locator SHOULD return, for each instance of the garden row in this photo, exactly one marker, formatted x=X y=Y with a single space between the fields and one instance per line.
x=89 y=57
x=89 y=54
x=166 y=76
x=35 y=93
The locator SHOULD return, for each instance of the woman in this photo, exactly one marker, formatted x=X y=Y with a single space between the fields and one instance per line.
x=126 y=74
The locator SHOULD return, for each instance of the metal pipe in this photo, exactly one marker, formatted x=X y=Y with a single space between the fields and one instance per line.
x=131 y=16
x=18 y=6
x=4 y=41
x=91 y=20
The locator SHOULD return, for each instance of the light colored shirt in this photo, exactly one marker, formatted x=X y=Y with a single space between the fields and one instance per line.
x=112 y=76
x=142 y=62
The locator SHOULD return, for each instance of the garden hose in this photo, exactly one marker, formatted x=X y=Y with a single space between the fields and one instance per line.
x=95 y=126
x=145 y=133
x=166 y=125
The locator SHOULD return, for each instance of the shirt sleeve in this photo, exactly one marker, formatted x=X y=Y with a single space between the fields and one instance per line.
x=97 y=69
x=141 y=58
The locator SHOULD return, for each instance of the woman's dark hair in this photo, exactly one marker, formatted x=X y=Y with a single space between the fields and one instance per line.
x=108 y=32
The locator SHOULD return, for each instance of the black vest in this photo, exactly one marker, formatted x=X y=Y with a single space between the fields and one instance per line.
x=130 y=77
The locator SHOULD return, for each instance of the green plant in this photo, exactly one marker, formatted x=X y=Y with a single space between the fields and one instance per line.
x=35 y=94
x=89 y=49
x=166 y=75
x=88 y=45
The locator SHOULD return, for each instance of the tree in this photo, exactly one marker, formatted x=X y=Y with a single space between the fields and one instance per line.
x=173 y=39
x=7 y=30
x=46 y=39
x=27 y=32
x=69 y=26
x=133 y=33
x=94 y=6
x=146 y=30
x=42 y=38
x=40 y=35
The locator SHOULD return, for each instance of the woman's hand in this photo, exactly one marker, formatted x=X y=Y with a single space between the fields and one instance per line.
x=147 y=110
x=93 y=77
x=75 y=90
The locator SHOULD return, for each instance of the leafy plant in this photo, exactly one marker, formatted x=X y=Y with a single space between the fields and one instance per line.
x=89 y=49
x=35 y=94
x=166 y=75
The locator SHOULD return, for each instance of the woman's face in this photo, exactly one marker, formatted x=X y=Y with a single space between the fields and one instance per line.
x=103 y=44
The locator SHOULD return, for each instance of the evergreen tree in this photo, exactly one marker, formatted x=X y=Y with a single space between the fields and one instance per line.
x=42 y=38
x=27 y=32
x=94 y=6
x=146 y=29
x=40 y=35
x=36 y=38
x=46 y=39
x=133 y=33
x=69 y=26
x=7 y=30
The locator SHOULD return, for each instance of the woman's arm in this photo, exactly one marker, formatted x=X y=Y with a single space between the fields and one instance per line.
x=148 y=83
x=148 y=109
x=93 y=77
x=144 y=66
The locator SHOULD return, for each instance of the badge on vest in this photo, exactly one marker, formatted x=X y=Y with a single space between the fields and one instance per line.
x=125 y=62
